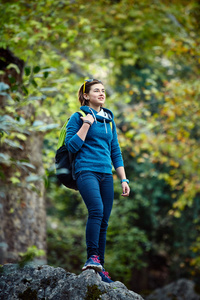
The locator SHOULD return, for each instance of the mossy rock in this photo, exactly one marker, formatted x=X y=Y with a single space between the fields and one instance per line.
x=93 y=292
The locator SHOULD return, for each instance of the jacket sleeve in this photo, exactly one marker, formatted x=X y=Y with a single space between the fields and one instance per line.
x=116 y=155
x=72 y=141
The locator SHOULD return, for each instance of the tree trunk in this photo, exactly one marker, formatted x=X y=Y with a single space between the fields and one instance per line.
x=22 y=205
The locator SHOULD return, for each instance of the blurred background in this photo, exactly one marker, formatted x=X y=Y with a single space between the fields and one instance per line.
x=147 y=54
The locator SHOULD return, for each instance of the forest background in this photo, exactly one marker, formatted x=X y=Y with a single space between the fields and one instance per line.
x=147 y=53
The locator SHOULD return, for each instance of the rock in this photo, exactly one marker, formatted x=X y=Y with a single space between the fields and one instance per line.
x=45 y=282
x=182 y=289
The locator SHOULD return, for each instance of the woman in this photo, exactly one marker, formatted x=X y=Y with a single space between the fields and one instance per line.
x=94 y=139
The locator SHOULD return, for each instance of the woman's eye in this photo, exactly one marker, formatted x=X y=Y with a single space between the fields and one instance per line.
x=99 y=91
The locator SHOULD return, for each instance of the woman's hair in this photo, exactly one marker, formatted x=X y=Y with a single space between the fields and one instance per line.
x=85 y=88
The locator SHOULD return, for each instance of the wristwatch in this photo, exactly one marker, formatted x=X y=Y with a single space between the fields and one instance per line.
x=125 y=180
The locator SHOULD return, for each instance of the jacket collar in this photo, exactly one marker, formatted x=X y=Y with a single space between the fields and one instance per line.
x=105 y=115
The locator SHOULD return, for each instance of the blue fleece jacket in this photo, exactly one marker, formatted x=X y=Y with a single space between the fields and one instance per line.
x=100 y=148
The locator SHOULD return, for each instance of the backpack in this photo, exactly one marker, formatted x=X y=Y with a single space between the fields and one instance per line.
x=65 y=160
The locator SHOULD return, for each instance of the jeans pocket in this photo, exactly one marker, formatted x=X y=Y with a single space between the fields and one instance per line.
x=86 y=175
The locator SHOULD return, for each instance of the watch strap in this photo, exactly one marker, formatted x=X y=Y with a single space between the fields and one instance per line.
x=125 y=180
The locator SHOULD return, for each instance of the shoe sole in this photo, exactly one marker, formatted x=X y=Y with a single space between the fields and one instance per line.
x=96 y=268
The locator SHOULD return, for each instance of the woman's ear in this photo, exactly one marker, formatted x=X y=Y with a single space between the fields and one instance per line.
x=86 y=96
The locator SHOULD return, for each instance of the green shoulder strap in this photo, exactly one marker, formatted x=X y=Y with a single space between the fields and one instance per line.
x=63 y=131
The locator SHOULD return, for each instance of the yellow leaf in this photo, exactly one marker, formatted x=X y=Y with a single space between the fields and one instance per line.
x=132 y=154
x=177 y=214
x=11 y=211
x=63 y=45
x=140 y=160
x=14 y=180
x=21 y=136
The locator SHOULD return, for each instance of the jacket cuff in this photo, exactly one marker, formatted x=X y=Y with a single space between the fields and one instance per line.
x=118 y=164
x=75 y=144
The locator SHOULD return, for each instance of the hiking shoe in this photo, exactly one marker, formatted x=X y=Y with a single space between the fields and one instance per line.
x=93 y=263
x=105 y=276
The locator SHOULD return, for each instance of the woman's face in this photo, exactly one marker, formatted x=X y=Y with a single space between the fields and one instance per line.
x=96 y=96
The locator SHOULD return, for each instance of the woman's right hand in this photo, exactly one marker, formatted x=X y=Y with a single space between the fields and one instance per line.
x=89 y=118
x=82 y=133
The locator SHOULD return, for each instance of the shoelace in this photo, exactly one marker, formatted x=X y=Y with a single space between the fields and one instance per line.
x=96 y=259
x=106 y=274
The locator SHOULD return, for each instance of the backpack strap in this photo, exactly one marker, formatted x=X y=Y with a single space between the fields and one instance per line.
x=82 y=113
x=63 y=131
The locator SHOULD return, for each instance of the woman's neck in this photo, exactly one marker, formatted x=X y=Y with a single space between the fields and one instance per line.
x=97 y=108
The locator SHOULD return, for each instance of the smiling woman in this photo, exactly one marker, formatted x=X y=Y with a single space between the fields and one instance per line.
x=92 y=89
x=96 y=96
x=94 y=140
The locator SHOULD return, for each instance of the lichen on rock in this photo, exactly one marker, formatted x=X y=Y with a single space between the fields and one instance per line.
x=45 y=282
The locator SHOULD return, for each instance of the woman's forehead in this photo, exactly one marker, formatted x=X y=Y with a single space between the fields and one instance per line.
x=97 y=86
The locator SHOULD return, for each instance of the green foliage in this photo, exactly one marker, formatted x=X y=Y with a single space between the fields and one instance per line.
x=31 y=253
x=65 y=228
x=66 y=244
x=19 y=120
x=148 y=56
x=195 y=261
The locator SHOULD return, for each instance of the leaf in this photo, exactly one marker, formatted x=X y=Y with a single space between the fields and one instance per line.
x=4 y=86
x=33 y=178
x=49 y=89
x=5 y=158
x=44 y=127
x=25 y=89
x=14 y=180
x=46 y=74
x=21 y=136
x=27 y=71
x=29 y=165
x=7 y=119
x=34 y=83
x=48 y=70
x=11 y=211
x=13 y=144
x=10 y=66
x=36 y=69
x=5 y=94
x=38 y=123
x=32 y=98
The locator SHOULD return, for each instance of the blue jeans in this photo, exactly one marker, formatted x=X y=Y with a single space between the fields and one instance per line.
x=97 y=192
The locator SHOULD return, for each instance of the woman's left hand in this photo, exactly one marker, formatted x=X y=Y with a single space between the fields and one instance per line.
x=125 y=189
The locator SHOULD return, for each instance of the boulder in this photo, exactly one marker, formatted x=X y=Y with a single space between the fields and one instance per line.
x=45 y=282
x=182 y=289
